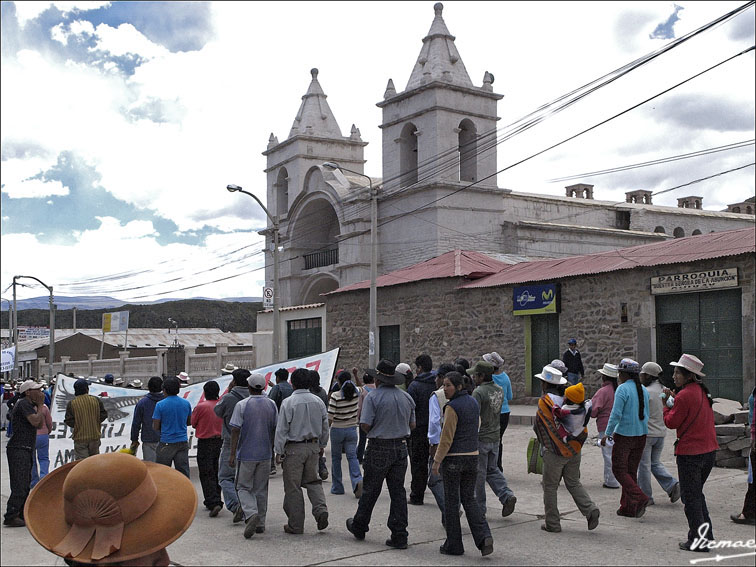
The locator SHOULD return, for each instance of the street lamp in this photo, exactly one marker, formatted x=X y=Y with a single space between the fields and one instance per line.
x=373 y=258
x=276 y=287
x=51 y=353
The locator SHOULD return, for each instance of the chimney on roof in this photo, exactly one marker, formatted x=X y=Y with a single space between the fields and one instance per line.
x=692 y=202
x=580 y=191
x=641 y=197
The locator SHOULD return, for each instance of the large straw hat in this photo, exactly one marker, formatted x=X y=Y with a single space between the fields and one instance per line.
x=690 y=362
x=609 y=370
x=228 y=369
x=110 y=508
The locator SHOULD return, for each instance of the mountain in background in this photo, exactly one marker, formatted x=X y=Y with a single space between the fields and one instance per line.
x=234 y=316
x=103 y=302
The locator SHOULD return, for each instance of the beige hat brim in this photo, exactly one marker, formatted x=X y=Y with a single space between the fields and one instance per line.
x=163 y=523
x=697 y=372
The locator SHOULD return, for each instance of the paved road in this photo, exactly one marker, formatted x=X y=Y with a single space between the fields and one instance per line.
x=518 y=539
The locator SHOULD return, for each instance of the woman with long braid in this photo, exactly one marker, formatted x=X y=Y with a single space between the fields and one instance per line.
x=628 y=427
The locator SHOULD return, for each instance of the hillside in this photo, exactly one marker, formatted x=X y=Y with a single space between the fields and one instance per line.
x=238 y=317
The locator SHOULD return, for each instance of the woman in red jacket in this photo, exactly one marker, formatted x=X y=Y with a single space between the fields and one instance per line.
x=691 y=414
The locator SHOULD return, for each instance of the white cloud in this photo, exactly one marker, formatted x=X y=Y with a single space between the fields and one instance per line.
x=126 y=39
x=28 y=10
x=34 y=188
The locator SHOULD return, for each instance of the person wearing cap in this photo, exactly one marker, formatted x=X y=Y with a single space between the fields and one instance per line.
x=253 y=427
x=601 y=408
x=560 y=460
x=420 y=390
x=84 y=414
x=388 y=417
x=301 y=437
x=171 y=418
x=489 y=397
x=651 y=460
x=457 y=455
x=207 y=429
x=406 y=369
x=501 y=379
x=627 y=428
x=111 y=509
x=239 y=389
x=691 y=415
x=574 y=363
x=142 y=420
x=26 y=416
x=108 y=379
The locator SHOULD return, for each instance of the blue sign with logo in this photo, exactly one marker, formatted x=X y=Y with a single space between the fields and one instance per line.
x=536 y=299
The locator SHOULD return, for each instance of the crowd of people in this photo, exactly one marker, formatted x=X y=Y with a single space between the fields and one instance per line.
x=445 y=424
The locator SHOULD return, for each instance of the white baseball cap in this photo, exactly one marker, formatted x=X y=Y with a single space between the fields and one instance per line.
x=30 y=385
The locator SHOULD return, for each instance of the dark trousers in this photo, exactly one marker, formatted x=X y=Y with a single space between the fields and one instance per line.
x=208 y=453
x=503 y=423
x=20 y=472
x=626 y=456
x=693 y=470
x=749 y=504
x=384 y=459
x=459 y=475
x=362 y=439
x=176 y=454
x=418 y=453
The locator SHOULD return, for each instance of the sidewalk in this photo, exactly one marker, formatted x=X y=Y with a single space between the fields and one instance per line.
x=518 y=539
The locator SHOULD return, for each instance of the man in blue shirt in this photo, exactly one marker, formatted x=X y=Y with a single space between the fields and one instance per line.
x=142 y=420
x=171 y=417
x=388 y=417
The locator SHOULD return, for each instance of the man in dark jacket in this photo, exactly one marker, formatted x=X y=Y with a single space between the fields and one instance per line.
x=142 y=420
x=574 y=363
x=421 y=389
x=225 y=410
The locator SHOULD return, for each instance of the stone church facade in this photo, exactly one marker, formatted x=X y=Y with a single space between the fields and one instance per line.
x=438 y=191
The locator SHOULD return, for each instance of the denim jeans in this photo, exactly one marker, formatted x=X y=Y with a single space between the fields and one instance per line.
x=489 y=472
x=344 y=438
x=176 y=454
x=436 y=485
x=226 y=475
x=626 y=456
x=573 y=378
x=42 y=451
x=693 y=470
x=149 y=452
x=384 y=459
x=208 y=453
x=503 y=423
x=459 y=475
x=606 y=452
x=651 y=464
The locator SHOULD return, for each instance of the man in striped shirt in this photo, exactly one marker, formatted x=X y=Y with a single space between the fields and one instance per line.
x=84 y=414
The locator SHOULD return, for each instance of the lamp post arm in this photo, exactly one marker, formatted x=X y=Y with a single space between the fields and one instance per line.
x=259 y=202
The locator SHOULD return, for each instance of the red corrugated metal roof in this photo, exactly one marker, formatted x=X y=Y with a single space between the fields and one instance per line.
x=454 y=263
x=689 y=249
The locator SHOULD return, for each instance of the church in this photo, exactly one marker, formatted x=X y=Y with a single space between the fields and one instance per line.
x=438 y=190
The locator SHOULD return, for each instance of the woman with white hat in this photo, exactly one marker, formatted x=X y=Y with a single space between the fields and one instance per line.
x=601 y=408
x=691 y=415
x=560 y=460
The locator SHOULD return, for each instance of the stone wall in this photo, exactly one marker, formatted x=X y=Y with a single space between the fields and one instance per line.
x=437 y=318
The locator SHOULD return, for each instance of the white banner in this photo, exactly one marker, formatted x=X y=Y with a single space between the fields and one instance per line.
x=30 y=333
x=7 y=360
x=120 y=403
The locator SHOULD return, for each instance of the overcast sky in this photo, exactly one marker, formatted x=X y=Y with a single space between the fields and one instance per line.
x=123 y=122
